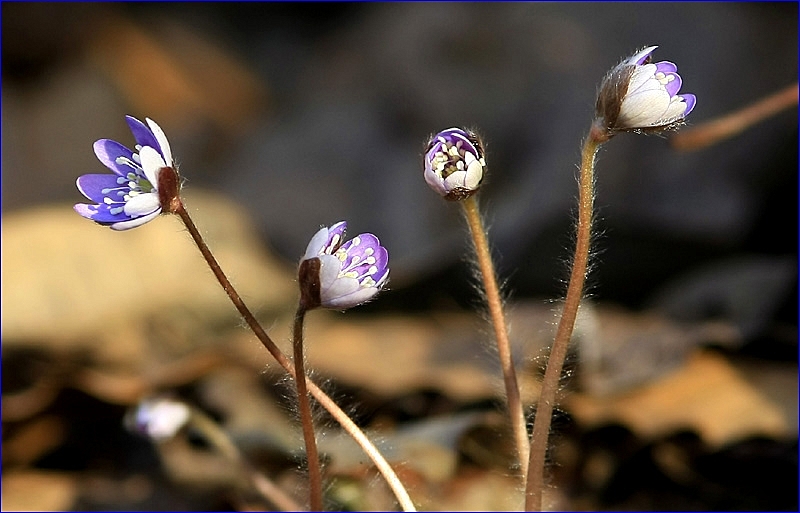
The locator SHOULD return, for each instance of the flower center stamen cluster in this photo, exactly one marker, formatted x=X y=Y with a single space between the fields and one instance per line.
x=453 y=157
x=354 y=269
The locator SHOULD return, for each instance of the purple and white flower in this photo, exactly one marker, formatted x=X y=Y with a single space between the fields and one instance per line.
x=348 y=273
x=158 y=418
x=129 y=197
x=454 y=163
x=639 y=95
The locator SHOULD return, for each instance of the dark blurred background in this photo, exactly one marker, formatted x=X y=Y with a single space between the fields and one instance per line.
x=309 y=113
x=312 y=113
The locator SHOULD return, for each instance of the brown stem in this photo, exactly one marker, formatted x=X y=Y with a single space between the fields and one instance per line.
x=721 y=128
x=218 y=438
x=555 y=363
x=322 y=398
x=495 y=305
x=312 y=456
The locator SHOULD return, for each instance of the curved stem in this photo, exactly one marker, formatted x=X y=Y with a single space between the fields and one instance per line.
x=555 y=363
x=495 y=305
x=729 y=125
x=347 y=424
x=312 y=456
x=219 y=439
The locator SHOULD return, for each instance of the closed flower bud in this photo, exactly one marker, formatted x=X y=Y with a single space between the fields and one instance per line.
x=454 y=163
x=641 y=96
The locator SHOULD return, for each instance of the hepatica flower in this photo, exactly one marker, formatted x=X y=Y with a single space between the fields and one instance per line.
x=639 y=95
x=454 y=163
x=129 y=197
x=158 y=418
x=340 y=275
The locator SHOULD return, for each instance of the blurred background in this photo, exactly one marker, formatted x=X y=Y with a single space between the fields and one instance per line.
x=288 y=116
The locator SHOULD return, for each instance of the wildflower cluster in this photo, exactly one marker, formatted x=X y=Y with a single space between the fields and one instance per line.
x=637 y=95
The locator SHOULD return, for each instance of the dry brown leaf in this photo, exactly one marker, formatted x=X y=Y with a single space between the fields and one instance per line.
x=708 y=394
x=70 y=282
x=34 y=439
x=38 y=491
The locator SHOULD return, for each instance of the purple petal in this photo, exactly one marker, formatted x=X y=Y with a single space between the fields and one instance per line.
x=336 y=235
x=108 y=151
x=93 y=185
x=381 y=277
x=357 y=248
x=690 y=100
x=674 y=85
x=381 y=257
x=666 y=67
x=435 y=148
x=453 y=135
x=142 y=133
x=99 y=213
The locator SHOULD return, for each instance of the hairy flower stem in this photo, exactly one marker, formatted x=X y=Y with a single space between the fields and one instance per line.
x=495 y=305
x=312 y=456
x=322 y=398
x=220 y=440
x=555 y=363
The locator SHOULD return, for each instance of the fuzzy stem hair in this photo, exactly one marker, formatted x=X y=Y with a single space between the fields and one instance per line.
x=555 y=363
x=495 y=305
x=321 y=397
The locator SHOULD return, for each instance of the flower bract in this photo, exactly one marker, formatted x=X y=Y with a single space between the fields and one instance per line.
x=129 y=197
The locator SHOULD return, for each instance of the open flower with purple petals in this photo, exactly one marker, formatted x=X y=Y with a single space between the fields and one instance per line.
x=129 y=197
x=639 y=95
x=340 y=275
x=454 y=163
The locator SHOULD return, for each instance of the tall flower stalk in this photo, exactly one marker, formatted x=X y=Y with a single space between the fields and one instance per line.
x=338 y=276
x=636 y=96
x=150 y=170
x=454 y=167
x=160 y=418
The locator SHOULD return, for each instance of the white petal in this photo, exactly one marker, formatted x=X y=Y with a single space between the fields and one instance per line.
x=643 y=109
x=474 y=175
x=641 y=75
x=133 y=223
x=356 y=298
x=340 y=287
x=151 y=164
x=162 y=141
x=674 y=111
x=142 y=204
x=329 y=268
x=318 y=241
x=455 y=179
